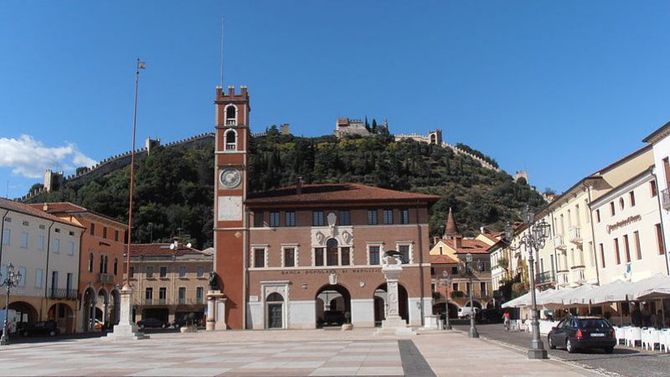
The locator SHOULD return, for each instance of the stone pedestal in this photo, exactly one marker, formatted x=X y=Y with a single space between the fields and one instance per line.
x=126 y=329
x=432 y=322
x=393 y=322
x=216 y=311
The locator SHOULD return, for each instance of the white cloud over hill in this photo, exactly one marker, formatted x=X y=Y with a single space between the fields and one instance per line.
x=29 y=158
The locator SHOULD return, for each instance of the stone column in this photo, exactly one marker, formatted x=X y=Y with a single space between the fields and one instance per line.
x=221 y=313
x=211 y=319
x=393 y=321
x=126 y=329
x=216 y=311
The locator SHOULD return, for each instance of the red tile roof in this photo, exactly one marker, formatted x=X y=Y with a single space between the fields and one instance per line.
x=31 y=211
x=473 y=247
x=161 y=249
x=437 y=259
x=330 y=193
x=71 y=208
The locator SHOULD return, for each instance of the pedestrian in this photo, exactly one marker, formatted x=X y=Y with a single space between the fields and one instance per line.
x=506 y=320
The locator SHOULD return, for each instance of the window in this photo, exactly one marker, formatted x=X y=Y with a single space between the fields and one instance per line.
x=102 y=264
x=626 y=248
x=482 y=289
x=68 y=282
x=388 y=216
x=652 y=188
x=258 y=219
x=317 y=218
x=23 y=242
x=116 y=266
x=631 y=196
x=289 y=257
x=131 y=272
x=6 y=236
x=148 y=295
x=162 y=295
x=404 y=253
x=199 y=294
x=616 y=251
x=274 y=219
x=612 y=210
x=54 y=281
x=318 y=256
x=373 y=252
x=182 y=271
x=162 y=272
x=116 y=235
x=372 y=217
x=404 y=216
x=231 y=140
x=106 y=259
x=182 y=295
x=345 y=217
x=23 y=272
x=290 y=218
x=92 y=229
x=345 y=256
x=150 y=272
x=454 y=270
x=597 y=215
x=659 y=239
x=41 y=240
x=90 y=262
x=332 y=254
x=231 y=115
x=56 y=245
x=200 y=272
x=454 y=286
x=104 y=232
x=70 y=248
x=39 y=278
x=638 y=250
x=622 y=203
x=259 y=258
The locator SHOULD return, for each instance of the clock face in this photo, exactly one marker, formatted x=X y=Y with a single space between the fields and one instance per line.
x=230 y=178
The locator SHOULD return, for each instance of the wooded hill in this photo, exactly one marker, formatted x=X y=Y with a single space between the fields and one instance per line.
x=175 y=184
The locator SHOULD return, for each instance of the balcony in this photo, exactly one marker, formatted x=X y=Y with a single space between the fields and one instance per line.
x=577 y=274
x=148 y=301
x=558 y=243
x=162 y=301
x=63 y=293
x=665 y=199
x=231 y=122
x=575 y=235
x=231 y=146
x=546 y=277
x=105 y=278
x=562 y=278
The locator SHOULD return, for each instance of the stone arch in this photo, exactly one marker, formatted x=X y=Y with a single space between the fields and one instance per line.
x=63 y=314
x=115 y=307
x=88 y=301
x=25 y=312
x=336 y=308
x=380 y=299
x=102 y=306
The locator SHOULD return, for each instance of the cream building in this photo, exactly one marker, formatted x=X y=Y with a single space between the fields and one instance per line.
x=45 y=250
x=660 y=142
x=627 y=225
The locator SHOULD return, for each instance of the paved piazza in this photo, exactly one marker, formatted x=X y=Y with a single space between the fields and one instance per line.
x=277 y=353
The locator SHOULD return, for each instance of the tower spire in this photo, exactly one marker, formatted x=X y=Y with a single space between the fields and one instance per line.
x=450 y=229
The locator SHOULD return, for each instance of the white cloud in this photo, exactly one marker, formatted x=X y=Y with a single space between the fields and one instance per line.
x=30 y=158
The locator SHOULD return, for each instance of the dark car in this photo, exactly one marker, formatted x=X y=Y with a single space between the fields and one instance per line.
x=576 y=333
x=42 y=328
x=151 y=323
x=333 y=317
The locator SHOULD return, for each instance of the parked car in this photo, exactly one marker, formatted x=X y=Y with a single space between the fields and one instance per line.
x=42 y=328
x=151 y=323
x=576 y=333
x=467 y=311
x=333 y=317
x=490 y=316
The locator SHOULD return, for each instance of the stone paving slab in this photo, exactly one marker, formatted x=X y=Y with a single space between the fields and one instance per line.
x=273 y=353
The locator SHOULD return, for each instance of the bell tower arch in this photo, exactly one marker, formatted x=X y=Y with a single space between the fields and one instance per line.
x=230 y=191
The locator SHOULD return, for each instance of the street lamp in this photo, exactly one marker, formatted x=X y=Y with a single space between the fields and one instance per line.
x=467 y=269
x=12 y=280
x=533 y=239
x=445 y=280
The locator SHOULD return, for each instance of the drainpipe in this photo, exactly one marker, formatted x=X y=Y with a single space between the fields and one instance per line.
x=421 y=275
x=245 y=269
x=2 y=233
x=77 y=319
x=46 y=271
x=660 y=212
x=593 y=234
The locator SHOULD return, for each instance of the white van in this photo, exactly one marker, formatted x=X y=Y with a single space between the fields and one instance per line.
x=467 y=311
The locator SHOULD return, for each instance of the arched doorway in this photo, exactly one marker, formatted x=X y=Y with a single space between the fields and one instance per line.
x=115 y=307
x=88 y=309
x=102 y=306
x=380 y=304
x=63 y=315
x=25 y=312
x=333 y=305
x=274 y=311
x=476 y=303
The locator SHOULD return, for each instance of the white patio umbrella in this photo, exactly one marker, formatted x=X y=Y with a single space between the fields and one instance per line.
x=523 y=300
x=657 y=286
x=611 y=292
x=578 y=296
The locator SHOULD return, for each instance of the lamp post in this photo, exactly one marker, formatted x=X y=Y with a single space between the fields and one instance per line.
x=11 y=280
x=467 y=269
x=532 y=239
x=445 y=280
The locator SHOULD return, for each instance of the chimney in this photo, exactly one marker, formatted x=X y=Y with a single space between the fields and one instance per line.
x=298 y=187
x=45 y=207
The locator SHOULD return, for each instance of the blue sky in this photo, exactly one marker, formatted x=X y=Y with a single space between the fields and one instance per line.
x=556 y=88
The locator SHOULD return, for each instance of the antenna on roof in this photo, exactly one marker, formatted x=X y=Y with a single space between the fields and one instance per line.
x=222 y=52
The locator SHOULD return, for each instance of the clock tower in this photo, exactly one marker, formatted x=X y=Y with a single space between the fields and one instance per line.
x=230 y=191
